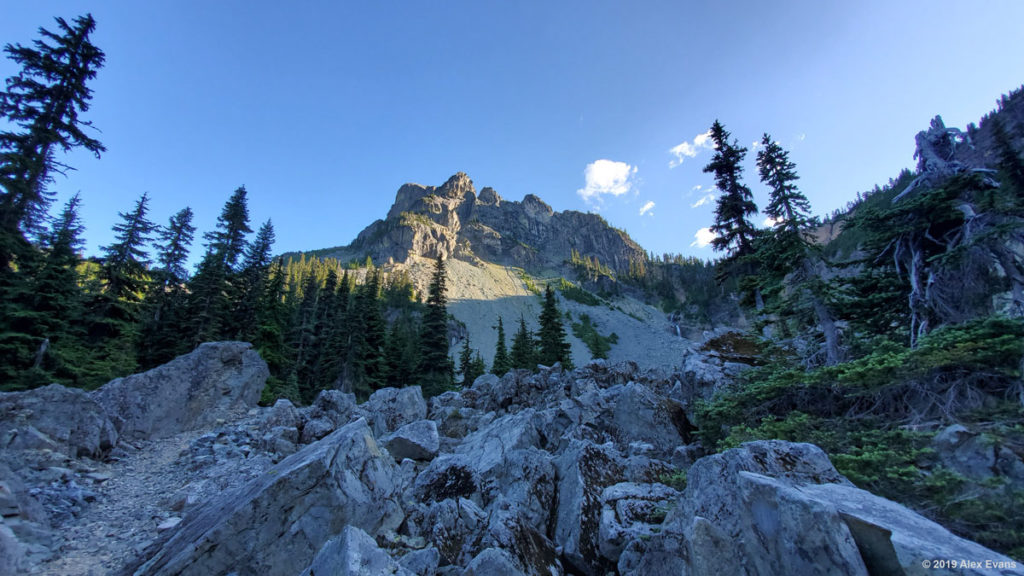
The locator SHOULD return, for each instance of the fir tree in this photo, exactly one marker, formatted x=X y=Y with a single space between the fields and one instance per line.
x=502 y=362
x=44 y=101
x=436 y=369
x=465 y=360
x=370 y=342
x=272 y=321
x=402 y=351
x=252 y=280
x=477 y=368
x=733 y=230
x=524 y=348
x=160 y=339
x=787 y=206
x=125 y=262
x=553 y=345
x=338 y=339
x=115 y=311
x=214 y=285
x=43 y=341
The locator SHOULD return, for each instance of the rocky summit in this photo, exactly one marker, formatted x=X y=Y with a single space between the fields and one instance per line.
x=592 y=471
x=454 y=220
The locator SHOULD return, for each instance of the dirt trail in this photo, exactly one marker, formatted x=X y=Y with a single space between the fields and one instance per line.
x=130 y=505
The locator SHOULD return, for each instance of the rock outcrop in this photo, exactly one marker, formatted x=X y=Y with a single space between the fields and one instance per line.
x=191 y=391
x=452 y=219
x=282 y=519
x=66 y=420
x=557 y=472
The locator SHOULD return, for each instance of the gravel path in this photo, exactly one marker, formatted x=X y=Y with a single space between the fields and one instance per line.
x=130 y=505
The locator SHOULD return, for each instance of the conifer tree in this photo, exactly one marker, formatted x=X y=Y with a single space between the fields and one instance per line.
x=115 y=311
x=502 y=363
x=787 y=206
x=465 y=360
x=370 y=342
x=476 y=368
x=42 y=343
x=436 y=369
x=126 y=262
x=272 y=321
x=252 y=281
x=402 y=351
x=339 y=336
x=213 y=286
x=553 y=344
x=524 y=348
x=43 y=101
x=160 y=339
x=733 y=230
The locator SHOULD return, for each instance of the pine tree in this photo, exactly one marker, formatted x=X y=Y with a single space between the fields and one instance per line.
x=272 y=322
x=42 y=343
x=733 y=230
x=125 y=262
x=465 y=360
x=160 y=339
x=252 y=281
x=553 y=345
x=402 y=351
x=339 y=336
x=370 y=342
x=502 y=362
x=477 y=368
x=44 y=101
x=114 y=311
x=436 y=369
x=524 y=348
x=214 y=285
x=787 y=206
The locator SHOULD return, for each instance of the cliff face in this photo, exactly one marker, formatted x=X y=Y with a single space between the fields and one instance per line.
x=453 y=219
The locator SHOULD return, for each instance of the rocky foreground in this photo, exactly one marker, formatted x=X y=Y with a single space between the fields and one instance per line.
x=593 y=471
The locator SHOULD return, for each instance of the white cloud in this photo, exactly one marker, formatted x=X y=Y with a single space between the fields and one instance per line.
x=769 y=222
x=647 y=208
x=606 y=177
x=690 y=149
x=703 y=237
x=705 y=199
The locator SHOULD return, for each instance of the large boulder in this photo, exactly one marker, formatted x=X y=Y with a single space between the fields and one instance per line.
x=283 y=518
x=776 y=507
x=585 y=469
x=196 y=390
x=353 y=553
x=55 y=418
x=417 y=441
x=388 y=409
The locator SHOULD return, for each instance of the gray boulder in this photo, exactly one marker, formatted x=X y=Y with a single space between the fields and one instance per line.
x=353 y=553
x=283 y=518
x=642 y=415
x=418 y=441
x=632 y=511
x=585 y=469
x=776 y=507
x=53 y=417
x=421 y=562
x=214 y=382
x=493 y=562
x=333 y=405
x=388 y=409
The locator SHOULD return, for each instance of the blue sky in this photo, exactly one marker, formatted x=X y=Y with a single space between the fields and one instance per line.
x=323 y=109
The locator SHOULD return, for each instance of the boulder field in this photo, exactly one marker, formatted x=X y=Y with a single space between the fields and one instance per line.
x=592 y=471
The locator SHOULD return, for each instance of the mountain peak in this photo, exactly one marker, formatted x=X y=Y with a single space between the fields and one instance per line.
x=458 y=186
